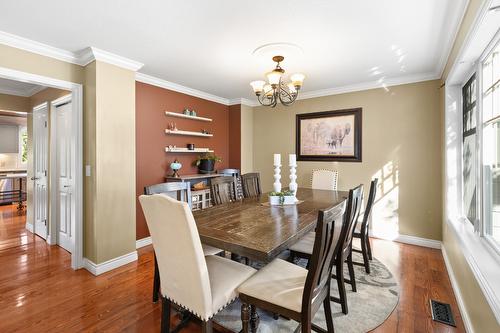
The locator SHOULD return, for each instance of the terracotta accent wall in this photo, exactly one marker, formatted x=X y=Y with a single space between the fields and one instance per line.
x=152 y=162
x=235 y=136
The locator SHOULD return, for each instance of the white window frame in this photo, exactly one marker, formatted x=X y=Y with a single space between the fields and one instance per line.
x=20 y=139
x=481 y=253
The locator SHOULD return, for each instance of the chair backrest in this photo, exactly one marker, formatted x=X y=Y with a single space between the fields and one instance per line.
x=328 y=231
x=251 y=184
x=176 y=190
x=230 y=172
x=352 y=214
x=237 y=179
x=323 y=179
x=181 y=263
x=369 y=206
x=223 y=189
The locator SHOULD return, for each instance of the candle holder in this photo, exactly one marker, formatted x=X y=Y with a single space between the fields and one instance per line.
x=277 y=177
x=293 y=179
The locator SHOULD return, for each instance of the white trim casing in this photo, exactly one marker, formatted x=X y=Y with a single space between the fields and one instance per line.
x=143 y=242
x=457 y=292
x=29 y=227
x=98 y=269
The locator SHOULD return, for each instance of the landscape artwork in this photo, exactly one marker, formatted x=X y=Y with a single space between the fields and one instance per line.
x=329 y=136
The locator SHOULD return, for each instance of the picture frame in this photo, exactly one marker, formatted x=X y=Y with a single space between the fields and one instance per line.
x=329 y=136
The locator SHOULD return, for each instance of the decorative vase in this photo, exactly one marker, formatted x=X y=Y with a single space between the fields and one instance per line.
x=206 y=166
x=175 y=166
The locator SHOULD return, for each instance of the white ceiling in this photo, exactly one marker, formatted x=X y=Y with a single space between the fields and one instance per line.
x=18 y=88
x=207 y=45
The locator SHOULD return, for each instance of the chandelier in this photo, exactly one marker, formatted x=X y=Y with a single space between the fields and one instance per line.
x=276 y=90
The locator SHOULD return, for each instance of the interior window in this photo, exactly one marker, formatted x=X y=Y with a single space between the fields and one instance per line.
x=491 y=143
x=469 y=149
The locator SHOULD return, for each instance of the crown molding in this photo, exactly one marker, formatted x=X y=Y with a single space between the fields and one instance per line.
x=38 y=48
x=243 y=101
x=92 y=53
x=388 y=82
x=81 y=58
x=451 y=35
x=144 y=78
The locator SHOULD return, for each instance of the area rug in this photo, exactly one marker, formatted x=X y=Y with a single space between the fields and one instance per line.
x=376 y=298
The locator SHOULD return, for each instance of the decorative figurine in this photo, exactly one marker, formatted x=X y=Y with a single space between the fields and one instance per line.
x=175 y=166
x=193 y=113
x=187 y=112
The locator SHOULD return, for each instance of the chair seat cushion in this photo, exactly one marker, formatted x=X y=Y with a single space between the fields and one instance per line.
x=225 y=276
x=280 y=283
x=305 y=244
x=210 y=250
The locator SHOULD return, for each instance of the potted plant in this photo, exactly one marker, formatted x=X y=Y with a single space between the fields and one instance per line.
x=206 y=162
x=282 y=198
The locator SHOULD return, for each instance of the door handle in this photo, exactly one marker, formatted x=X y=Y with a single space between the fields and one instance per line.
x=35 y=178
x=67 y=186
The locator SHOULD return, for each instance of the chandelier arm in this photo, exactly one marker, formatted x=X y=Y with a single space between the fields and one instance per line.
x=262 y=98
x=291 y=97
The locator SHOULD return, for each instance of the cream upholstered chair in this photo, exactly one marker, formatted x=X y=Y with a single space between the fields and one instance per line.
x=292 y=291
x=323 y=179
x=182 y=192
x=203 y=285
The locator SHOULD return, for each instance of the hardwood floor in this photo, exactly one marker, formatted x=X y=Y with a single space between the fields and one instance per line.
x=39 y=292
x=12 y=227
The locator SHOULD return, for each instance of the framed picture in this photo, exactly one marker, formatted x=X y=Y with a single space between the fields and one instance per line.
x=329 y=136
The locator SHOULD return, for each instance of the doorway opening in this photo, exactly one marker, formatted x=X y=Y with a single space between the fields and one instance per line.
x=42 y=177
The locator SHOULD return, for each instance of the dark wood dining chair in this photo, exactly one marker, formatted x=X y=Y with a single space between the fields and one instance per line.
x=199 y=284
x=223 y=189
x=292 y=291
x=181 y=192
x=304 y=247
x=362 y=232
x=237 y=180
x=251 y=185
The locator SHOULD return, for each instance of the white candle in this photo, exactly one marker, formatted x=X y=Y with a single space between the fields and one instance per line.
x=292 y=159
x=277 y=159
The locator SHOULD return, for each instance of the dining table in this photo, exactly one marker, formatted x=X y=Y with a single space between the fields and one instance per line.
x=252 y=228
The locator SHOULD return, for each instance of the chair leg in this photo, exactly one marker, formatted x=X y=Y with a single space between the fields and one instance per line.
x=206 y=326
x=165 y=315
x=156 y=282
x=341 y=286
x=328 y=314
x=254 y=319
x=245 y=317
x=364 y=251
x=350 y=266
x=368 y=245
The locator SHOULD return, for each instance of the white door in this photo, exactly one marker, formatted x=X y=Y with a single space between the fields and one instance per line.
x=65 y=169
x=41 y=158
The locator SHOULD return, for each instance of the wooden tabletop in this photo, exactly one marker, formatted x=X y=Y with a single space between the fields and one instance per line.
x=261 y=232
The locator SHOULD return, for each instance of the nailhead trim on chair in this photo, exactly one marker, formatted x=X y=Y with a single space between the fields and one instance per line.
x=195 y=313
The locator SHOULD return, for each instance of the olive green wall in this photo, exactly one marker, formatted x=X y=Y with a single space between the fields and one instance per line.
x=401 y=146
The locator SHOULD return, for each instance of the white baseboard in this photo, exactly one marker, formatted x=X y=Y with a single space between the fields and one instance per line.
x=106 y=266
x=458 y=294
x=425 y=242
x=143 y=242
x=29 y=227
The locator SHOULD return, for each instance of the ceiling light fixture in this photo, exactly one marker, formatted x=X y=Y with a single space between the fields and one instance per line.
x=268 y=94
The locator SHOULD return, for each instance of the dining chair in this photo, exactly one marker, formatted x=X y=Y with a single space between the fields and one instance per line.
x=237 y=180
x=293 y=291
x=182 y=192
x=202 y=285
x=323 y=179
x=362 y=232
x=251 y=184
x=223 y=189
x=303 y=248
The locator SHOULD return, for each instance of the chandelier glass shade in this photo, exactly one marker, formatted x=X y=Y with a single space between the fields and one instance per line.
x=276 y=89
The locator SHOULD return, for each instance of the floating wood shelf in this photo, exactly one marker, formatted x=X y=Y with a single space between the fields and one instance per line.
x=185 y=150
x=179 y=132
x=182 y=115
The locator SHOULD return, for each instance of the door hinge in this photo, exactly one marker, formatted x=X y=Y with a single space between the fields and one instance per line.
x=45 y=172
x=45 y=221
x=45 y=123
